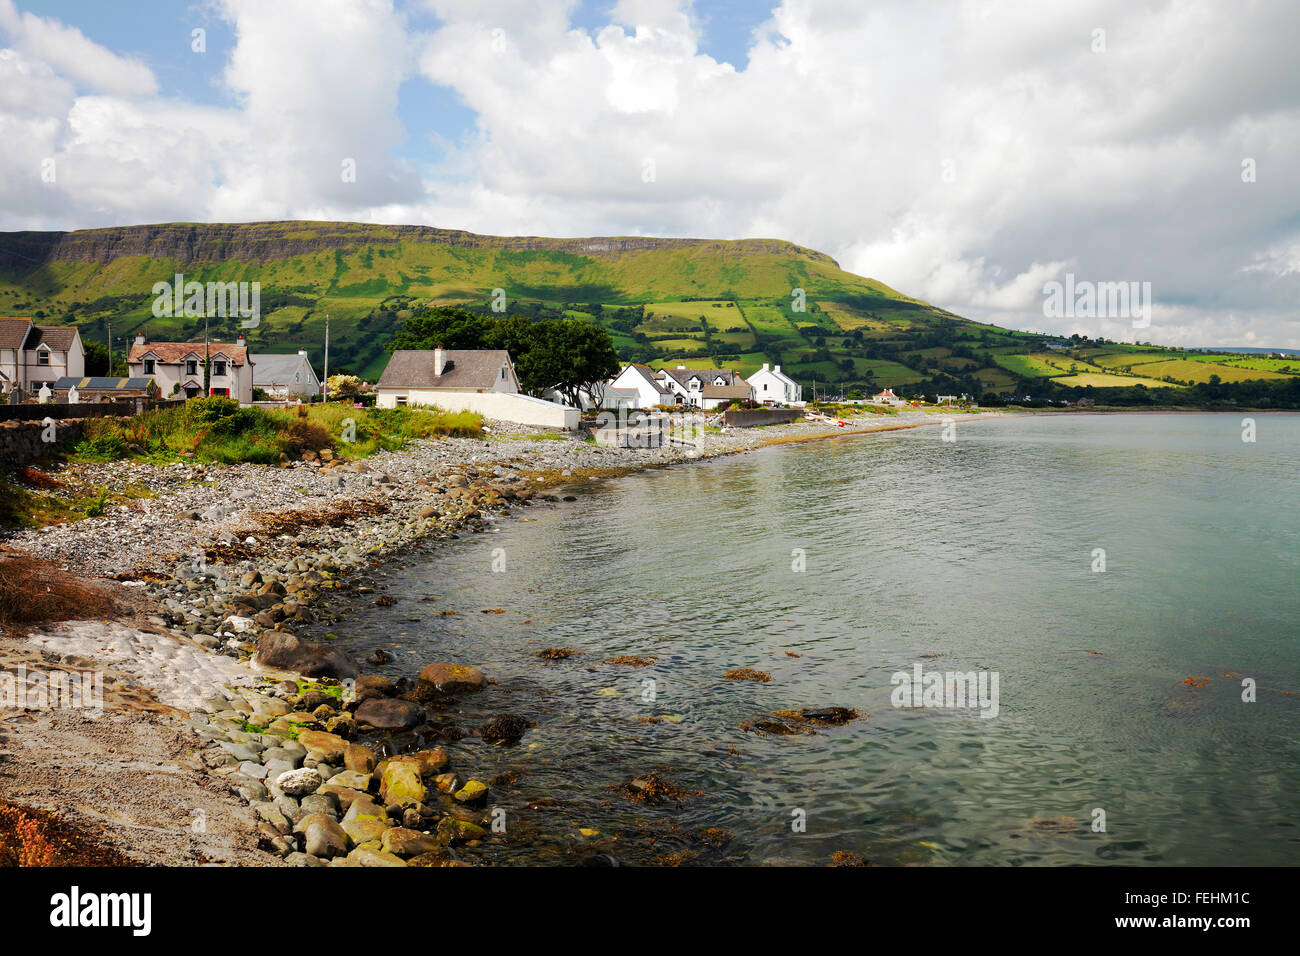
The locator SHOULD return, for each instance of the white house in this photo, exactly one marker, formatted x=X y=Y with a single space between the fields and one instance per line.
x=177 y=367
x=473 y=380
x=636 y=387
x=34 y=355
x=887 y=397
x=285 y=376
x=704 y=388
x=773 y=385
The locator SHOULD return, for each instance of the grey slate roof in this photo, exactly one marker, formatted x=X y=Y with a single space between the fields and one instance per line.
x=273 y=369
x=465 y=368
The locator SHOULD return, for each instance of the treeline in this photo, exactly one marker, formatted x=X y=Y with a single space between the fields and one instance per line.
x=568 y=356
x=1256 y=393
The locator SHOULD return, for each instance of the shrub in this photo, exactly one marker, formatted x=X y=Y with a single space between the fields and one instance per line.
x=34 y=592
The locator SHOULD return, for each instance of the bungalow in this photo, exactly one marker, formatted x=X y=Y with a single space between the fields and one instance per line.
x=474 y=380
x=177 y=367
x=637 y=387
x=887 y=397
x=285 y=376
x=34 y=355
x=704 y=388
x=773 y=385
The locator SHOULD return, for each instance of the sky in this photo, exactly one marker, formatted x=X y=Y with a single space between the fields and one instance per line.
x=964 y=152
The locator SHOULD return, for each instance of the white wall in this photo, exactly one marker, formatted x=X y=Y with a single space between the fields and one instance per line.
x=506 y=406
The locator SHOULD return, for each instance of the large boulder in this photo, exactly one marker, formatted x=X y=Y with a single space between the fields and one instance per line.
x=365 y=820
x=327 y=747
x=401 y=785
x=359 y=758
x=386 y=713
x=453 y=678
x=284 y=651
x=299 y=783
x=324 y=837
x=400 y=841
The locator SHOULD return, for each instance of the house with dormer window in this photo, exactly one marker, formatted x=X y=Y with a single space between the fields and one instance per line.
x=177 y=367
x=34 y=355
x=704 y=388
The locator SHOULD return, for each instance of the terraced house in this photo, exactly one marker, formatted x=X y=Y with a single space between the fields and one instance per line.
x=704 y=388
x=34 y=355
x=177 y=367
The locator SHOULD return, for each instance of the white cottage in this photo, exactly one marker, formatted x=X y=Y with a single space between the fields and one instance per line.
x=177 y=367
x=773 y=385
x=636 y=387
x=704 y=388
x=474 y=380
x=34 y=355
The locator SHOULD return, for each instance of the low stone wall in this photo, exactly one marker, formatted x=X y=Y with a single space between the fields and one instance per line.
x=23 y=442
x=753 y=417
x=62 y=411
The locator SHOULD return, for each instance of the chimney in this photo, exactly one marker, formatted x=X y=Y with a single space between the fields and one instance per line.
x=139 y=337
x=302 y=352
x=240 y=342
x=681 y=368
x=778 y=368
x=439 y=360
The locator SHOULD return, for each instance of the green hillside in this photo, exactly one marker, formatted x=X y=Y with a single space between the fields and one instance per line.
x=688 y=301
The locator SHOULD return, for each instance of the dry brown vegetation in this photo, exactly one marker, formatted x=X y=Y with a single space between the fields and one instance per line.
x=30 y=837
x=34 y=592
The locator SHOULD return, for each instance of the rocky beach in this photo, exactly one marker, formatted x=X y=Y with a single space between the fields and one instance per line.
x=226 y=736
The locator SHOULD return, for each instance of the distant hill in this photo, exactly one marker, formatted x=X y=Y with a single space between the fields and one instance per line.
x=696 y=302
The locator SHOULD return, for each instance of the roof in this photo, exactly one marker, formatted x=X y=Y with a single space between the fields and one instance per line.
x=772 y=371
x=173 y=353
x=13 y=332
x=102 y=383
x=684 y=375
x=645 y=371
x=464 y=368
x=57 y=337
x=725 y=391
x=279 y=369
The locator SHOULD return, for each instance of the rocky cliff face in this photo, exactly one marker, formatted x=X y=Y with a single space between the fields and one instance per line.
x=265 y=241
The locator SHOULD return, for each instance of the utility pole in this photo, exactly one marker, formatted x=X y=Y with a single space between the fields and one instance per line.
x=207 y=362
x=325 y=384
x=110 y=347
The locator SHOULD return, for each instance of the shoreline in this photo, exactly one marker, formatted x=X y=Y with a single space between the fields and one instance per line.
x=160 y=658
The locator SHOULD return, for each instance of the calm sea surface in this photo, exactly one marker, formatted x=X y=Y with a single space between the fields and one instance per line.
x=976 y=555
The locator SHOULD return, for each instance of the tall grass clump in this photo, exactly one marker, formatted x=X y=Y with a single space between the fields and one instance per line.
x=217 y=430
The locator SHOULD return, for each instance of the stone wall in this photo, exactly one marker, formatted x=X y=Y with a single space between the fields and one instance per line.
x=24 y=442
x=752 y=417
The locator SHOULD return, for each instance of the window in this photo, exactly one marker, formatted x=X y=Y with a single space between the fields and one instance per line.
x=503 y=373
x=218 y=367
x=192 y=367
x=42 y=358
x=401 y=399
x=765 y=386
x=148 y=366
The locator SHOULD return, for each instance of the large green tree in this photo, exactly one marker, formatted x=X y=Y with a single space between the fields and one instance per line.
x=570 y=356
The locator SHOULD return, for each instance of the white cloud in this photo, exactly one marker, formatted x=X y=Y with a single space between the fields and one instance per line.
x=962 y=152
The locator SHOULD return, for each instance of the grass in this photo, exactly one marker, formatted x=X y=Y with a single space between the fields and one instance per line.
x=217 y=430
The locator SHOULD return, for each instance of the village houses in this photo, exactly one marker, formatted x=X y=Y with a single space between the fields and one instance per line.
x=34 y=355
x=177 y=367
x=474 y=380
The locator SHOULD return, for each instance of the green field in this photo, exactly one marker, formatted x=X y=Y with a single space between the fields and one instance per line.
x=650 y=294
